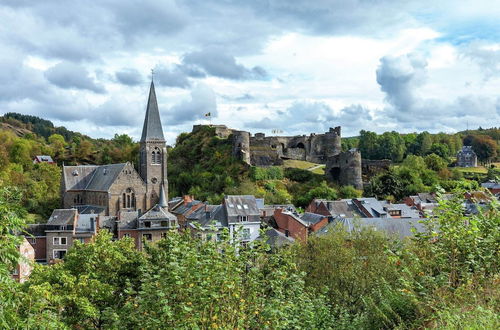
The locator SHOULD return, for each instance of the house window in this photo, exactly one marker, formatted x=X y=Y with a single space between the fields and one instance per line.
x=164 y=223
x=243 y=218
x=81 y=240
x=245 y=234
x=126 y=235
x=147 y=224
x=15 y=272
x=59 y=241
x=147 y=237
x=163 y=235
x=172 y=224
x=58 y=254
x=32 y=240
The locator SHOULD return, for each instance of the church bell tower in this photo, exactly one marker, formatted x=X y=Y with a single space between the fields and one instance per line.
x=153 y=152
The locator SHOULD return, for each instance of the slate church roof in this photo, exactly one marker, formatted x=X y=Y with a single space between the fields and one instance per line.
x=152 y=129
x=91 y=177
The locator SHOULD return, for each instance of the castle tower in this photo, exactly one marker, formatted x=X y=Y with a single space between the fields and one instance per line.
x=153 y=152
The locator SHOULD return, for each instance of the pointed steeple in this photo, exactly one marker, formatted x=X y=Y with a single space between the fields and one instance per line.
x=152 y=129
x=162 y=202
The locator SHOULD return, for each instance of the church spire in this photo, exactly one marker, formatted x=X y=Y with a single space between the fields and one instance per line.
x=162 y=202
x=152 y=129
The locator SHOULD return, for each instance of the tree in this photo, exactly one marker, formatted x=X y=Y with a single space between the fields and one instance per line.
x=20 y=152
x=440 y=149
x=190 y=284
x=484 y=147
x=93 y=283
x=57 y=143
x=368 y=144
x=423 y=143
x=434 y=162
x=464 y=248
x=391 y=146
x=386 y=184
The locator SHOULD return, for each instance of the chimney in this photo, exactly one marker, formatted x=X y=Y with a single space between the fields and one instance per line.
x=98 y=223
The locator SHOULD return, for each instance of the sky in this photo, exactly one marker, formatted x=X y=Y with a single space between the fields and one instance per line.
x=297 y=67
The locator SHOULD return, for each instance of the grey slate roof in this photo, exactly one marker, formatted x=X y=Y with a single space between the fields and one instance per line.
x=215 y=216
x=37 y=229
x=77 y=177
x=44 y=159
x=157 y=213
x=152 y=129
x=406 y=211
x=342 y=208
x=276 y=238
x=311 y=218
x=89 y=209
x=241 y=205
x=91 y=177
x=185 y=207
x=373 y=206
x=400 y=227
x=104 y=176
x=61 y=217
x=492 y=184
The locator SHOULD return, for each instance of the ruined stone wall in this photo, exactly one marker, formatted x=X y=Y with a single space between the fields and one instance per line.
x=345 y=169
x=326 y=148
x=241 y=145
x=314 y=148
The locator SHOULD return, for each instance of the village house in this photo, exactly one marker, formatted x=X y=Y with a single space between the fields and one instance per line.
x=43 y=159
x=466 y=157
x=398 y=227
x=492 y=185
x=23 y=269
x=240 y=214
x=299 y=227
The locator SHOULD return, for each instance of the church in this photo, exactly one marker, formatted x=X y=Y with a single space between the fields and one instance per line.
x=115 y=188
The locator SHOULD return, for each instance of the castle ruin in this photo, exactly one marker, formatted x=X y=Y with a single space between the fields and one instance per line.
x=261 y=150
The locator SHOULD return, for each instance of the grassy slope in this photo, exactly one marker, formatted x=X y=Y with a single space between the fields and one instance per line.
x=303 y=165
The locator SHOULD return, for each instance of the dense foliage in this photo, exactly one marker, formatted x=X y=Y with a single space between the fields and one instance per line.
x=446 y=278
x=396 y=146
x=419 y=174
x=202 y=165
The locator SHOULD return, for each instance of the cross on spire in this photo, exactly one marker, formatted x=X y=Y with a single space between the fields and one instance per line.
x=152 y=74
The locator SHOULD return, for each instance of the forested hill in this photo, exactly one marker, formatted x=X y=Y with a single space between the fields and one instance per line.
x=22 y=137
x=397 y=146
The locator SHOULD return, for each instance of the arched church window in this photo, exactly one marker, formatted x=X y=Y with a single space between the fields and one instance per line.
x=153 y=157
x=158 y=157
x=129 y=199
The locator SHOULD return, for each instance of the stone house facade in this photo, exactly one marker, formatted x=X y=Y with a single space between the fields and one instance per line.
x=466 y=157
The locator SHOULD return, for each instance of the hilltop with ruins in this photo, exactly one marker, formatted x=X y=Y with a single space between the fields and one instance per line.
x=343 y=167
